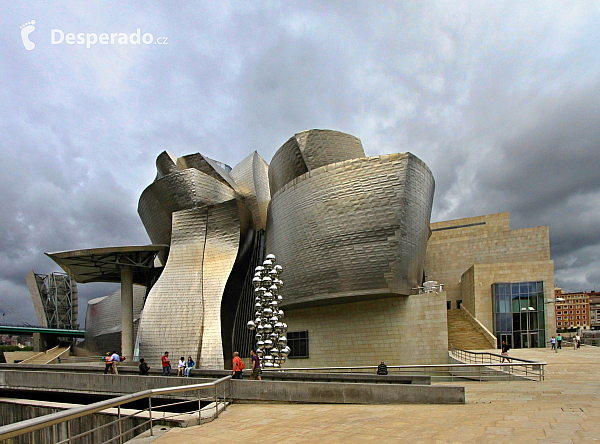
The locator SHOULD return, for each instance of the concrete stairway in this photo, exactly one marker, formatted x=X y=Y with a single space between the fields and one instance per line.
x=462 y=334
x=48 y=356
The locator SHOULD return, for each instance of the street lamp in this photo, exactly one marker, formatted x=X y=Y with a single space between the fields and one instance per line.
x=526 y=309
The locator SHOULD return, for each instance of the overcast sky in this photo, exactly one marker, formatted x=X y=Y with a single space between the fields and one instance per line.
x=500 y=99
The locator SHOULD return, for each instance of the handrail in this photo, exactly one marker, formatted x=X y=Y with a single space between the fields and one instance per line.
x=478 y=326
x=31 y=425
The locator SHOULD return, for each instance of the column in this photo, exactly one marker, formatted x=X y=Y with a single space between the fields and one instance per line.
x=127 y=311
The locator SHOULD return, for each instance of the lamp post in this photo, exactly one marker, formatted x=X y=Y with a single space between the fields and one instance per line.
x=527 y=310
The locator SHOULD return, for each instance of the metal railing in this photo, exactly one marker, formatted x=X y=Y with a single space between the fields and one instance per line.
x=477 y=366
x=218 y=396
x=507 y=364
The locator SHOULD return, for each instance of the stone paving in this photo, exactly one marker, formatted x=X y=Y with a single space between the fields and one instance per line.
x=565 y=408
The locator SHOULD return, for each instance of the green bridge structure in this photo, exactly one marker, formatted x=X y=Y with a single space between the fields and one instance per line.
x=29 y=329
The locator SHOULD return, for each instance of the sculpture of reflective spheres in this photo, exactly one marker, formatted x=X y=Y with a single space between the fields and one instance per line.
x=271 y=342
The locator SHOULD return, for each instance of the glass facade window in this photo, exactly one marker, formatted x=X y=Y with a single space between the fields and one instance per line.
x=519 y=314
x=298 y=343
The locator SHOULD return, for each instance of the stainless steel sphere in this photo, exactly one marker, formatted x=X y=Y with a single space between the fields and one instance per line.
x=274 y=320
x=268 y=364
x=260 y=344
x=282 y=359
x=273 y=274
x=281 y=314
x=267 y=264
x=266 y=281
x=256 y=281
x=268 y=344
x=268 y=358
x=260 y=328
x=267 y=312
x=278 y=327
x=279 y=298
x=258 y=306
x=259 y=269
x=259 y=336
x=260 y=353
x=274 y=337
x=273 y=289
x=271 y=257
x=251 y=325
x=267 y=328
x=285 y=351
x=278 y=268
x=282 y=341
x=268 y=296
x=275 y=365
x=274 y=352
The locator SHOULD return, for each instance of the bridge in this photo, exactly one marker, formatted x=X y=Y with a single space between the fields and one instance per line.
x=31 y=329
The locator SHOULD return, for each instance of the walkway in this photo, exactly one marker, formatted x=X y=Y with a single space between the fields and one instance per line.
x=563 y=409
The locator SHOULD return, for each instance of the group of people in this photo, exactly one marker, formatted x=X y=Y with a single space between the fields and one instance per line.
x=111 y=363
x=184 y=368
x=238 y=366
x=556 y=342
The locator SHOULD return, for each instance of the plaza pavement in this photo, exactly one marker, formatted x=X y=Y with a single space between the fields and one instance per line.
x=565 y=408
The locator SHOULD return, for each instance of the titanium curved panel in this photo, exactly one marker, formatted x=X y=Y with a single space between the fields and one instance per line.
x=182 y=311
x=310 y=150
x=352 y=230
x=103 y=320
x=252 y=177
x=207 y=166
x=166 y=163
x=175 y=192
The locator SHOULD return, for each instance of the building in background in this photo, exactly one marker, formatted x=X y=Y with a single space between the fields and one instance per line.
x=594 y=302
x=573 y=312
x=364 y=269
x=55 y=299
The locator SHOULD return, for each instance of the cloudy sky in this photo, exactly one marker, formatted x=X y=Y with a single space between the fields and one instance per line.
x=500 y=99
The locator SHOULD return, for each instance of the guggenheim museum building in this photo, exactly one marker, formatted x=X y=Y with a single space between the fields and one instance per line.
x=367 y=277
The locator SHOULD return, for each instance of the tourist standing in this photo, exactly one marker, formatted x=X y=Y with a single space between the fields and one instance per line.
x=115 y=359
x=238 y=366
x=189 y=366
x=166 y=365
x=577 y=342
x=256 y=372
x=553 y=344
x=382 y=369
x=144 y=367
x=107 y=364
x=559 y=341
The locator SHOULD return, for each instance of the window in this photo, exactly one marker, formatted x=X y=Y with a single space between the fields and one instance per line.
x=458 y=303
x=559 y=318
x=298 y=343
x=448 y=305
x=560 y=323
x=577 y=311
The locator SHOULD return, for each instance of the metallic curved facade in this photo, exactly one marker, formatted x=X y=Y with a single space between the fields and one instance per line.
x=345 y=227
x=310 y=150
x=196 y=207
x=356 y=229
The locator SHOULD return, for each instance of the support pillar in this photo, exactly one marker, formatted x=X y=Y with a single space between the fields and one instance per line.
x=127 y=311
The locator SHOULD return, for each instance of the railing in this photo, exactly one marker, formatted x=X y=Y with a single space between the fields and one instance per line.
x=515 y=366
x=479 y=368
x=220 y=392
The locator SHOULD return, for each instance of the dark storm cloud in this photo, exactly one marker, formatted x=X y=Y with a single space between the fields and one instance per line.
x=499 y=99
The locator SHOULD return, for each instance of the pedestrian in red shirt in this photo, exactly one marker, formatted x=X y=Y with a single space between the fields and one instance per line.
x=238 y=366
x=166 y=365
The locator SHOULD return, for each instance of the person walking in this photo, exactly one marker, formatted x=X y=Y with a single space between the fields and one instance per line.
x=166 y=365
x=504 y=352
x=577 y=342
x=559 y=341
x=189 y=366
x=256 y=371
x=144 y=367
x=382 y=369
x=553 y=344
x=238 y=366
x=115 y=360
x=181 y=366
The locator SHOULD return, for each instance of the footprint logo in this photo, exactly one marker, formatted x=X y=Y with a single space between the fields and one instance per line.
x=27 y=29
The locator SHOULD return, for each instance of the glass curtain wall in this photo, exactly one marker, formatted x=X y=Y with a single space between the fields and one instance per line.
x=519 y=314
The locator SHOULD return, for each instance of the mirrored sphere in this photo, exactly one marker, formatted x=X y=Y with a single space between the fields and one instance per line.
x=281 y=314
x=273 y=274
x=271 y=257
x=278 y=268
x=278 y=327
x=258 y=306
x=260 y=353
x=266 y=281
x=274 y=337
x=259 y=269
x=274 y=352
x=274 y=320
x=268 y=344
x=267 y=311
x=268 y=295
x=268 y=364
x=279 y=298
x=260 y=344
x=260 y=328
x=267 y=264
x=268 y=328
x=268 y=358
x=259 y=336
x=275 y=365
x=282 y=341
x=273 y=289
x=273 y=305
x=282 y=359
x=256 y=281
x=251 y=325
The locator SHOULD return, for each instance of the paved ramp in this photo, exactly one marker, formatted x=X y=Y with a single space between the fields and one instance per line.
x=48 y=357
